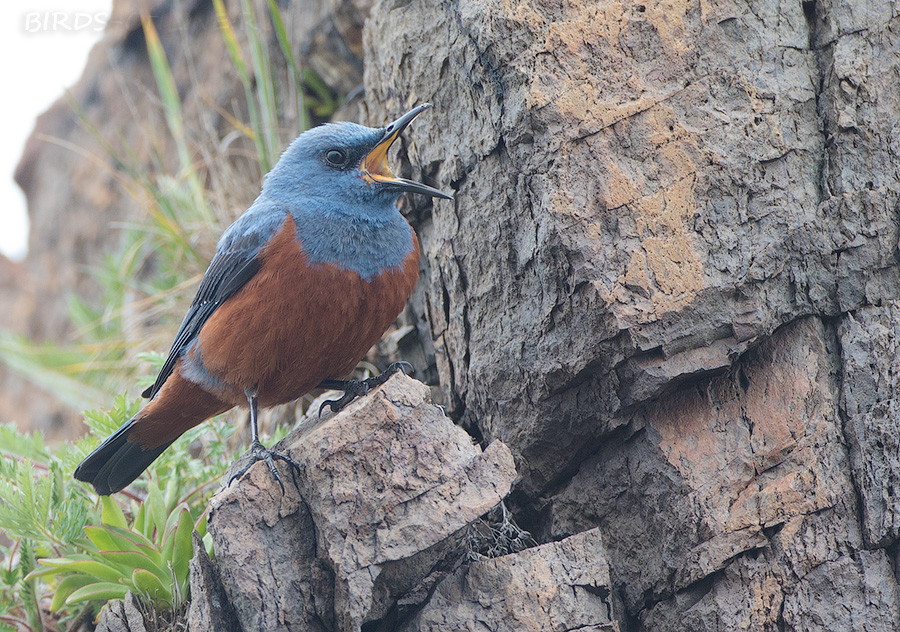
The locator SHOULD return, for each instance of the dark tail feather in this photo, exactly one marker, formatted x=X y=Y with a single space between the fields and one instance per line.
x=117 y=462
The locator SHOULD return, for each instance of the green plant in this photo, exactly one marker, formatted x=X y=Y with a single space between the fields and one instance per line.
x=70 y=552
x=149 y=558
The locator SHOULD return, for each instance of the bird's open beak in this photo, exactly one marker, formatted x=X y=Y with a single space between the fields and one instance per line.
x=375 y=167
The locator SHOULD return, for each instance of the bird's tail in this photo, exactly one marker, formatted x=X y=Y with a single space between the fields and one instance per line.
x=117 y=461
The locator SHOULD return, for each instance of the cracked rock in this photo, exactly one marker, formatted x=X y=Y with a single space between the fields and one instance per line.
x=209 y=608
x=122 y=615
x=554 y=587
x=384 y=491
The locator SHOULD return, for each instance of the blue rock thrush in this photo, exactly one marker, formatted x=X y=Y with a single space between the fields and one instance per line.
x=301 y=286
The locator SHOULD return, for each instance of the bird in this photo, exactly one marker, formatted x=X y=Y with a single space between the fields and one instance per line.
x=301 y=286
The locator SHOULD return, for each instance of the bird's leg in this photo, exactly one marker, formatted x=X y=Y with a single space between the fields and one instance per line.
x=357 y=388
x=258 y=451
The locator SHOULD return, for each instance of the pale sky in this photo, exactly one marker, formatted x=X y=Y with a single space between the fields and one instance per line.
x=43 y=50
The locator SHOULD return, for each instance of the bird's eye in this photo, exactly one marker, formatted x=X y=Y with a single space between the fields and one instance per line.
x=335 y=157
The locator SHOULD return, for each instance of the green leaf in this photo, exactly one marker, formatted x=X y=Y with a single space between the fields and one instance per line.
x=100 y=591
x=67 y=586
x=30 y=446
x=149 y=584
x=28 y=594
x=184 y=549
x=200 y=525
x=172 y=524
x=104 y=422
x=102 y=538
x=141 y=523
x=54 y=566
x=170 y=498
x=134 y=560
x=116 y=539
x=209 y=545
x=156 y=508
x=136 y=539
x=112 y=515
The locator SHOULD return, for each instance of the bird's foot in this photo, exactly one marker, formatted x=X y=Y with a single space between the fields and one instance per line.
x=259 y=452
x=357 y=388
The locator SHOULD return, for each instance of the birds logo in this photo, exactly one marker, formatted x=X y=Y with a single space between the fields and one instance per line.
x=300 y=287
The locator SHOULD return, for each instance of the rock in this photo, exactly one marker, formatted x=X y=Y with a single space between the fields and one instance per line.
x=209 y=608
x=866 y=587
x=265 y=547
x=720 y=504
x=121 y=615
x=558 y=586
x=668 y=281
x=642 y=194
x=871 y=398
x=385 y=488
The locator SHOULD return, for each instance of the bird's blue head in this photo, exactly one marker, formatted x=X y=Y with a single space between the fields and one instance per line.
x=344 y=165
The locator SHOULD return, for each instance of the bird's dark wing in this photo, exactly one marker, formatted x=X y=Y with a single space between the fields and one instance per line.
x=230 y=269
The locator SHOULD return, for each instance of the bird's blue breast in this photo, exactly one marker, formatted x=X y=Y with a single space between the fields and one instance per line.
x=363 y=244
x=367 y=240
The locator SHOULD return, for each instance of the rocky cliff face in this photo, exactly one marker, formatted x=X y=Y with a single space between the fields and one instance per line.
x=668 y=284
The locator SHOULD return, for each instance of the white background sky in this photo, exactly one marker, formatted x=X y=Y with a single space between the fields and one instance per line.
x=40 y=55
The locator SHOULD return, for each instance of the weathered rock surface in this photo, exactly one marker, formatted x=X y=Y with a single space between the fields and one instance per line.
x=558 y=586
x=740 y=487
x=870 y=362
x=668 y=283
x=384 y=489
x=209 y=608
x=122 y=615
x=659 y=187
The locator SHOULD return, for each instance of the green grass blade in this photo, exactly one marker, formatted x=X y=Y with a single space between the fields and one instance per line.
x=265 y=87
x=296 y=77
x=171 y=101
x=51 y=368
x=237 y=58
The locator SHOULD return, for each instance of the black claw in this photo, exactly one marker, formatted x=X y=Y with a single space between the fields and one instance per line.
x=261 y=453
x=352 y=389
x=357 y=388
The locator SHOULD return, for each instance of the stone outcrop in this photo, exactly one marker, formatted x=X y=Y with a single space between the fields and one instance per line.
x=558 y=586
x=667 y=283
x=383 y=494
x=122 y=616
x=372 y=531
